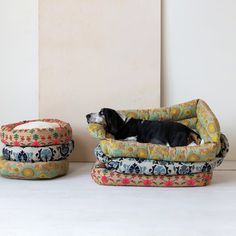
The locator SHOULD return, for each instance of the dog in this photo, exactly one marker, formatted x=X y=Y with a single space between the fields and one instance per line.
x=144 y=131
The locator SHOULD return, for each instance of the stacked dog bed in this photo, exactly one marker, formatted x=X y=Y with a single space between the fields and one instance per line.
x=144 y=164
x=36 y=149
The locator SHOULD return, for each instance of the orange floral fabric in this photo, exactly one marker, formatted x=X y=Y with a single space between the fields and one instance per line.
x=36 y=137
x=107 y=177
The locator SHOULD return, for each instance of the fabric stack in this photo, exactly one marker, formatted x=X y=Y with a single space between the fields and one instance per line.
x=36 y=149
x=141 y=164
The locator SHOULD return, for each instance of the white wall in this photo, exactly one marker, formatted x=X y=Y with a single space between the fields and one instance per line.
x=94 y=54
x=18 y=60
x=199 y=57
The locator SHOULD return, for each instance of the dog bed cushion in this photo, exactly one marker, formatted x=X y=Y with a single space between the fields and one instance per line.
x=39 y=170
x=195 y=114
x=108 y=177
x=153 y=167
x=36 y=154
x=38 y=125
x=17 y=134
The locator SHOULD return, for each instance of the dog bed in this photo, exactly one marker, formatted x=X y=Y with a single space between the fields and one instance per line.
x=38 y=154
x=26 y=133
x=153 y=167
x=195 y=114
x=39 y=170
x=108 y=177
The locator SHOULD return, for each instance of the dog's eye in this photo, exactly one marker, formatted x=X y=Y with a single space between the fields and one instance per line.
x=101 y=113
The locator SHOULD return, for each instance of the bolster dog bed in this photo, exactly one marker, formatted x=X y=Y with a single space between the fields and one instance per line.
x=56 y=132
x=154 y=167
x=196 y=114
x=104 y=176
x=38 y=154
x=39 y=170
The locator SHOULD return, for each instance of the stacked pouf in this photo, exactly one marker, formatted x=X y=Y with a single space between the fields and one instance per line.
x=129 y=163
x=36 y=149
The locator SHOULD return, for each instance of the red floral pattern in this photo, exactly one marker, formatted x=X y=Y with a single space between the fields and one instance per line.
x=36 y=137
x=107 y=177
x=125 y=181
x=168 y=183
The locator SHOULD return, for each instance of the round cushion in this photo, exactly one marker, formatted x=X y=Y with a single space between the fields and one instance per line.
x=37 y=154
x=108 y=177
x=39 y=170
x=152 y=167
x=43 y=134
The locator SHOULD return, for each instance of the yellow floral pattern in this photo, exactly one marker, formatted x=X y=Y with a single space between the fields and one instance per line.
x=195 y=114
x=39 y=170
x=208 y=126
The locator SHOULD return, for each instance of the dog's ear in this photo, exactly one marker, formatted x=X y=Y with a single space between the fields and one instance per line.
x=113 y=121
x=195 y=138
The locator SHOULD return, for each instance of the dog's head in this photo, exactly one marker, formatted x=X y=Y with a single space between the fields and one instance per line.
x=107 y=117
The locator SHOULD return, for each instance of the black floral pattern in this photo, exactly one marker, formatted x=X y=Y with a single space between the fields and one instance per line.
x=38 y=154
x=134 y=169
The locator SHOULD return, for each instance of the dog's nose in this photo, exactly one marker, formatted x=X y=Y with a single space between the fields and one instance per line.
x=88 y=116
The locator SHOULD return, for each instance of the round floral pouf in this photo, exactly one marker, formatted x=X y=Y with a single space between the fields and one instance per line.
x=39 y=170
x=36 y=137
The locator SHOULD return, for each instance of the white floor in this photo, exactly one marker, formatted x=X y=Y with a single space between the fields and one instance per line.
x=75 y=206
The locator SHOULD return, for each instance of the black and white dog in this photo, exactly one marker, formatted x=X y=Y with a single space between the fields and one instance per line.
x=144 y=131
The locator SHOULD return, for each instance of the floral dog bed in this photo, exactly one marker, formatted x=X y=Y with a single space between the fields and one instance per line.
x=195 y=114
x=39 y=170
x=38 y=154
x=12 y=136
x=108 y=177
x=154 y=167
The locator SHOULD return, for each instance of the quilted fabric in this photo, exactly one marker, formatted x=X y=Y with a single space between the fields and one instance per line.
x=37 y=154
x=108 y=177
x=39 y=170
x=152 y=167
x=36 y=137
x=196 y=114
